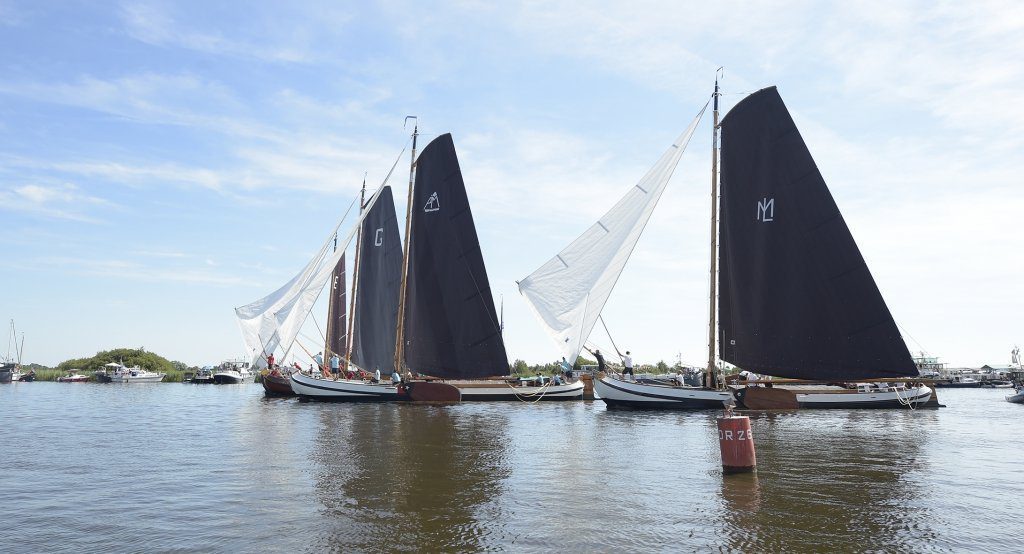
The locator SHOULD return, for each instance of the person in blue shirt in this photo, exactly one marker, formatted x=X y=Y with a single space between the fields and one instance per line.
x=335 y=365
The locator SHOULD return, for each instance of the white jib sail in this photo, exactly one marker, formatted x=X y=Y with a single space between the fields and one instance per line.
x=275 y=320
x=569 y=291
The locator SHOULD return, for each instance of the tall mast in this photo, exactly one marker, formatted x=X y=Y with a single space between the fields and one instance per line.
x=712 y=312
x=355 y=280
x=399 y=338
x=330 y=309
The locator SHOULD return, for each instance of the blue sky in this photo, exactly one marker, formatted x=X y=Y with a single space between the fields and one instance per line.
x=162 y=163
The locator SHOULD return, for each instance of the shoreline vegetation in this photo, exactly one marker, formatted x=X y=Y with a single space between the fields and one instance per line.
x=177 y=371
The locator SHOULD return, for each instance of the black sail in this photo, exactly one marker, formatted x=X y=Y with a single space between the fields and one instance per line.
x=451 y=327
x=337 y=332
x=796 y=298
x=380 y=279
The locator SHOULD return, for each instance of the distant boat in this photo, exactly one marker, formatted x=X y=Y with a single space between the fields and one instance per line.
x=114 y=372
x=1018 y=377
x=203 y=376
x=73 y=377
x=7 y=370
x=960 y=382
x=793 y=297
x=10 y=367
x=232 y=372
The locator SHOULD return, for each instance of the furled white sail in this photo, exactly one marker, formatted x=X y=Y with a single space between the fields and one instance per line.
x=569 y=291
x=275 y=320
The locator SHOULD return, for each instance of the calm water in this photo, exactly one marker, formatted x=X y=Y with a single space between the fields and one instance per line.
x=177 y=467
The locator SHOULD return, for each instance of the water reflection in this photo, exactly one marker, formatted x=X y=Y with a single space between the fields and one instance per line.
x=407 y=477
x=831 y=481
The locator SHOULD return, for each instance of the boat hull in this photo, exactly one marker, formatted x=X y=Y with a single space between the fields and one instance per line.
x=277 y=385
x=907 y=398
x=137 y=378
x=483 y=391
x=343 y=390
x=227 y=379
x=1016 y=398
x=73 y=379
x=625 y=394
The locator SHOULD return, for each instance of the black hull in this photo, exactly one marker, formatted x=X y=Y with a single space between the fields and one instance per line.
x=666 y=405
x=348 y=399
x=101 y=378
x=5 y=376
x=203 y=381
x=959 y=385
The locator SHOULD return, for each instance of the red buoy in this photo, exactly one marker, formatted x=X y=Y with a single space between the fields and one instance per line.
x=737 y=443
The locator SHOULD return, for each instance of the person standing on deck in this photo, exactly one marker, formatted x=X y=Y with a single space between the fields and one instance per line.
x=376 y=375
x=319 y=359
x=627 y=363
x=335 y=365
x=270 y=361
x=599 y=357
x=566 y=368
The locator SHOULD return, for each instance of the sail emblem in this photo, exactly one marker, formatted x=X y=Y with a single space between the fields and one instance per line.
x=433 y=204
x=766 y=210
x=378 y=237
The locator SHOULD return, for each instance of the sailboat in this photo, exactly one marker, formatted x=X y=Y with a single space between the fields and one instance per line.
x=793 y=299
x=10 y=367
x=426 y=308
x=370 y=342
x=450 y=328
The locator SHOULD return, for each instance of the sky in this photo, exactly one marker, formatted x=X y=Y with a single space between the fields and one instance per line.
x=164 y=162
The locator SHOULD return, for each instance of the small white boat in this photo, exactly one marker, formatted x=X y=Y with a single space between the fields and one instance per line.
x=630 y=394
x=344 y=390
x=1018 y=397
x=232 y=372
x=526 y=390
x=73 y=377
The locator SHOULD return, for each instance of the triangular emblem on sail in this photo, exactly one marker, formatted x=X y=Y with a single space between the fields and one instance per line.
x=569 y=291
x=433 y=204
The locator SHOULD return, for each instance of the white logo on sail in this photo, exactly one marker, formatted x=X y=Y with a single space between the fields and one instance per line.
x=766 y=209
x=378 y=237
x=433 y=204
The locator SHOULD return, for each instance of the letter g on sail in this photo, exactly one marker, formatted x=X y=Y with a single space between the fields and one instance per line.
x=766 y=209
x=378 y=237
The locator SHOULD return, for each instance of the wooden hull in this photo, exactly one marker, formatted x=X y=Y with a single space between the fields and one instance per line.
x=277 y=385
x=788 y=398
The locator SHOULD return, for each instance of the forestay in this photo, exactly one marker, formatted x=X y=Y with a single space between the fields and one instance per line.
x=569 y=291
x=275 y=319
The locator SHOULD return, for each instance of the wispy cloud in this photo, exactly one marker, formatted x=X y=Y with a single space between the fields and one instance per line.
x=135 y=271
x=64 y=201
x=288 y=41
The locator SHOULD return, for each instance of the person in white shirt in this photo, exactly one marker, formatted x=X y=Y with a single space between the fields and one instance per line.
x=395 y=377
x=376 y=375
x=627 y=363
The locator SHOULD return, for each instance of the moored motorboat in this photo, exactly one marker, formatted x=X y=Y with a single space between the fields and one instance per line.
x=959 y=382
x=73 y=377
x=202 y=376
x=232 y=372
x=114 y=372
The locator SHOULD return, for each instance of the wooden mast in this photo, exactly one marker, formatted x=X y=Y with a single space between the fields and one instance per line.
x=399 y=334
x=355 y=280
x=324 y=365
x=711 y=380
